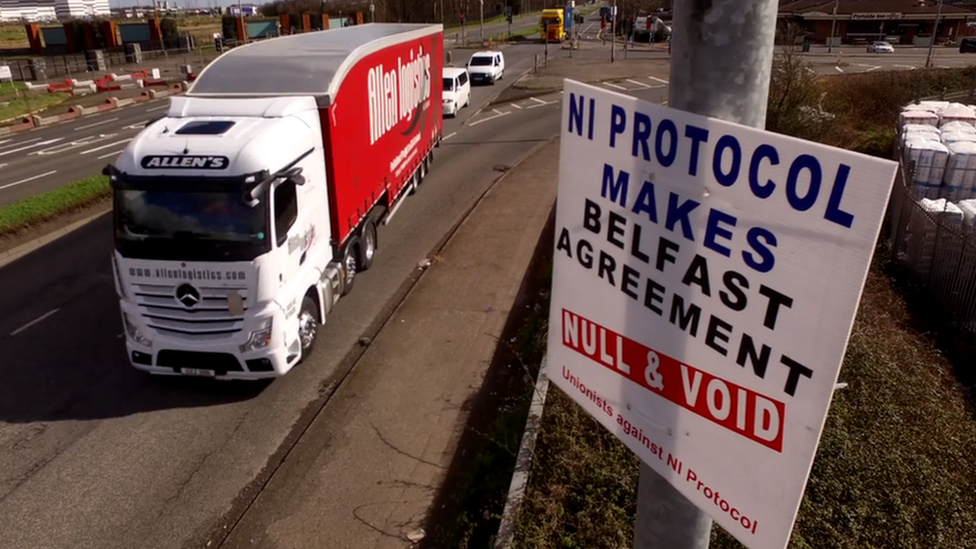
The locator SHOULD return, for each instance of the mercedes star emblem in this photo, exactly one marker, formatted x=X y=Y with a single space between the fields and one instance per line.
x=187 y=295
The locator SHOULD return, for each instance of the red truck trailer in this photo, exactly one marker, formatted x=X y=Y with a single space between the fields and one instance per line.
x=245 y=213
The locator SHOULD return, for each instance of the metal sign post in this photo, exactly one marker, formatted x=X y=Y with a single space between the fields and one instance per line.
x=723 y=58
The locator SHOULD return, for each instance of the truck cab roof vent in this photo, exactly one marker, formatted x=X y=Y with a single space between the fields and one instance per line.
x=205 y=127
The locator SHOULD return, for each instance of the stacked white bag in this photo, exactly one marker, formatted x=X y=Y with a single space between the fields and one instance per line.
x=959 y=182
x=956 y=112
x=918 y=116
x=929 y=157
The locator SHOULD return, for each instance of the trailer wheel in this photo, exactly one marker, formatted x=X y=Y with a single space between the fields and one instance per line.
x=308 y=325
x=350 y=265
x=368 y=244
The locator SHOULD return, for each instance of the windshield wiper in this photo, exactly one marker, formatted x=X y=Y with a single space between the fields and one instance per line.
x=190 y=235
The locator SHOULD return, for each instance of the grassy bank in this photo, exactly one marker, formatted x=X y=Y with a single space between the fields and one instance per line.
x=896 y=462
x=16 y=106
x=46 y=206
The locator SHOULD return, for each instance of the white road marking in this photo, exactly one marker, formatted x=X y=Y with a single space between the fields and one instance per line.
x=35 y=321
x=612 y=85
x=537 y=100
x=904 y=66
x=499 y=115
x=2 y=165
x=661 y=80
x=811 y=70
x=40 y=144
x=106 y=146
x=86 y=126
x=63 y=147
x=542 y=104
x=116 y=153
x=31 y=178
x=641 y=84
x=5 y=141
x=448 y=136
x=137 y=125
x=157 y=108
x=839 y=69
x=516 y=106
x=872 y=69
x=18 y=143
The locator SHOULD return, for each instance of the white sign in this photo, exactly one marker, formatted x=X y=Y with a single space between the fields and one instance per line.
x=875 y=16
x=5 y=73
x=706 y=277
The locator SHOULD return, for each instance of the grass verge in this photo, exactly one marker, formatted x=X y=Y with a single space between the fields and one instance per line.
x=13 y=107
x=46 y=206
x=896 y=461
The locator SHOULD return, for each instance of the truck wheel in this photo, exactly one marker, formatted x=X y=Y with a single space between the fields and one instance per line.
x=350 y=265
x=368 y=244
x=308 y=325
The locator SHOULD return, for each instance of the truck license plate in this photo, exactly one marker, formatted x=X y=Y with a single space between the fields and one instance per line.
x=198 y=372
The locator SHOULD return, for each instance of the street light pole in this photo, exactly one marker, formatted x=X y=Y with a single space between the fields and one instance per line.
x=938 y=15
x=613 y=30
x=482 y=21
x=833 y=28
x=722 y=61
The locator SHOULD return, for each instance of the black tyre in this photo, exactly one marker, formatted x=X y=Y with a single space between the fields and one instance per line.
x=308 y=325
x=368 y=245
x=350 y=266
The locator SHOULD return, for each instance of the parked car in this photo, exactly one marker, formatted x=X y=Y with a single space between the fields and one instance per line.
x=486 y=67
x=880 y=46
x=967 y=45
x=457 y=90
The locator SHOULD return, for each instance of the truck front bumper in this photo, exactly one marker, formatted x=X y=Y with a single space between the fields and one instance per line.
x=224 y=360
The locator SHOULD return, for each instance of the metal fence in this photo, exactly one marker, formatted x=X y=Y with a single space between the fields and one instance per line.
x=935 y=243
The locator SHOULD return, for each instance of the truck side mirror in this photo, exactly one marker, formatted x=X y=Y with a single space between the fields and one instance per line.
x=294 y=174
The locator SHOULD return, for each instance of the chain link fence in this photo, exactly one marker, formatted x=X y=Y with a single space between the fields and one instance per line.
x=934 y=241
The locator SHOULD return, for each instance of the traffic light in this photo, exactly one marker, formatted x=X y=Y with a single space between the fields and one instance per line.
x=462 y=18
x=509 y=18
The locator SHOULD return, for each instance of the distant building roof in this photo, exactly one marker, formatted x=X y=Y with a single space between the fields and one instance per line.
x=874 y=9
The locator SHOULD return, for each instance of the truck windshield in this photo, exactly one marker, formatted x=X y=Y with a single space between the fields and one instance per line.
x=448 y=84
x=481 y=61
x=189 y=225
x=551 y=21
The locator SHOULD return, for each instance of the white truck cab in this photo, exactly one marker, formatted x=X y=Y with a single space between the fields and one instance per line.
x=189 y=250
x=486 y=66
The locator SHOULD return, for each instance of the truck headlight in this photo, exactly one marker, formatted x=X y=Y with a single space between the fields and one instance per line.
x=259 y=339
x=134 y=333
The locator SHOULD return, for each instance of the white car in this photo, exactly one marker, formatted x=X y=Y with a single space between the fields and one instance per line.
x=457 y=90
x=880 y=47
x=486 y=67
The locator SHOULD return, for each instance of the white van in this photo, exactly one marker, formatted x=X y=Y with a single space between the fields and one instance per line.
x=457 y=90
x=486 y=66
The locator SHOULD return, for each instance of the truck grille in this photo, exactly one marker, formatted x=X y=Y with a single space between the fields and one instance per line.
x=208 y=319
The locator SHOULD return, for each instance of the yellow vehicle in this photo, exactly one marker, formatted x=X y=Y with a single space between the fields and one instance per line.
x=552 y=20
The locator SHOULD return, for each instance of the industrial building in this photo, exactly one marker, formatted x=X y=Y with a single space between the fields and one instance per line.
x=908 y=22
x=35 y=11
